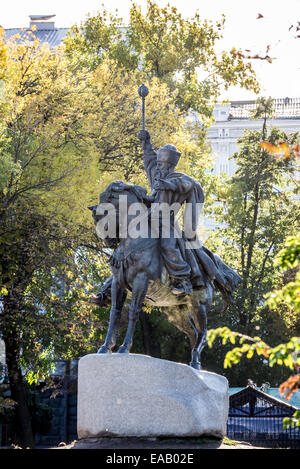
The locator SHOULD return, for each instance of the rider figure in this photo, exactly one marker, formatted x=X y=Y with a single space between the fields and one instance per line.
x=171 y=187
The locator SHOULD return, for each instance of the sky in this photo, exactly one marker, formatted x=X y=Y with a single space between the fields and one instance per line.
x=278 y=79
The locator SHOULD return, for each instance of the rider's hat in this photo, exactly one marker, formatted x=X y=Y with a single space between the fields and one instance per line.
x=168 y=154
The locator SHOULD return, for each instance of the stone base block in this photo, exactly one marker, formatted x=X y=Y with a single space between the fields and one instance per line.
x=137 y=395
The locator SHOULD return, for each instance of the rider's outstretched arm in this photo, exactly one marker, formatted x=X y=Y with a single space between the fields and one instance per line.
x=149 y=157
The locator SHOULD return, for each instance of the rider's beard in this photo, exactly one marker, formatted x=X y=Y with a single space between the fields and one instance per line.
x=163 y=173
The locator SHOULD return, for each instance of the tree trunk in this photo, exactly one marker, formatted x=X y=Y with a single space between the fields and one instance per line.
x=18 y=393
x=244 y=317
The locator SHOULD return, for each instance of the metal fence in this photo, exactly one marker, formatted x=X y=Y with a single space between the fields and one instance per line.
x=257 y=418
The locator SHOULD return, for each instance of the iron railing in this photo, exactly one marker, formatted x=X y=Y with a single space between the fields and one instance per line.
x=257 y=418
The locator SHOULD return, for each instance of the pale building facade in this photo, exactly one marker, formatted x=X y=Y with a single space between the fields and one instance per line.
x=231 y=120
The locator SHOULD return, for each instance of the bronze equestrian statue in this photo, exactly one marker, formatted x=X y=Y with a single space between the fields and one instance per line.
x=166 y=270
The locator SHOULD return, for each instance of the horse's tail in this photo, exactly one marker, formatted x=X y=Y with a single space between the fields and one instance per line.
x=229 y=284
x=227 y=297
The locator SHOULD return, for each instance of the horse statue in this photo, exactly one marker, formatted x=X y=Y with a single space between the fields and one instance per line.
x=138 y=269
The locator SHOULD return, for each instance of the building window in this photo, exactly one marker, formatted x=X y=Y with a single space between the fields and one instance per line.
x=223 y=133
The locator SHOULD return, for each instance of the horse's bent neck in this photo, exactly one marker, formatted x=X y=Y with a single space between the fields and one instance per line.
x=133 y=220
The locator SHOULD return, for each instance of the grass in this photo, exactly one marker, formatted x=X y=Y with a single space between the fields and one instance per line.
x=227 y=441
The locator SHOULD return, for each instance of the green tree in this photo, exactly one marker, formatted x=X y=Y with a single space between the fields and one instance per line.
x=286 y=354
x=286 y=296
x=66 y=132
x=39 y=225
x=256 y=210
x=162 y=43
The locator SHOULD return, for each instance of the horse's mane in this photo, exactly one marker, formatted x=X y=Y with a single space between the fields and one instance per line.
x=119 y=187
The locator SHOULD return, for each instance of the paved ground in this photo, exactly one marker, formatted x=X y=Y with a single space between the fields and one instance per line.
x=155 y=443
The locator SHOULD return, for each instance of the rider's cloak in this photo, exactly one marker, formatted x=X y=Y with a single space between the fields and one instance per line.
x=205 y=266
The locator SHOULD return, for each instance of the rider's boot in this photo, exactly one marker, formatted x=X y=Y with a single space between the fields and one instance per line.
x=182 y=287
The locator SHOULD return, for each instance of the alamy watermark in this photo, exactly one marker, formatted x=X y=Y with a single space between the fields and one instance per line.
x=159 y=220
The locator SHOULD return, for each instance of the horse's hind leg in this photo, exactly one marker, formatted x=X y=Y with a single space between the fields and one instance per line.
x=139 y=290
x=118 y=297
x=200 y=332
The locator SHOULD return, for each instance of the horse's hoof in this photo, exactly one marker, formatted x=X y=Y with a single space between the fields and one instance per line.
x=104 y=349
x=196 y=366
x=123 y=349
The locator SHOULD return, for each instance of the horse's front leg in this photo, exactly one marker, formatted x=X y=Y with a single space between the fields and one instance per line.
x=139 y=290
x=118 y=297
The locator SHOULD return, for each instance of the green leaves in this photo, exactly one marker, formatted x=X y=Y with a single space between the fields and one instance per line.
x=293 y=421
x=264 y=108
x=288 y=296
x=289 y=256
x=287 y=354
x=40 y=368
x=161 y=43
x=257 y=210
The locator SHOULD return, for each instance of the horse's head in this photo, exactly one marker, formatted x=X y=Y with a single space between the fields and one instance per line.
x=110 y=215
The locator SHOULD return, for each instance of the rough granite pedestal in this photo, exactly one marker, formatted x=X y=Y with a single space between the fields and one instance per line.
x=137 y=395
